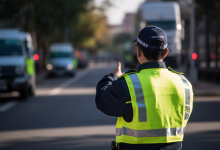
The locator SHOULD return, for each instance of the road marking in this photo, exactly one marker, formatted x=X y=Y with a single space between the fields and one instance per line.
x=103 y=65
x=68 y=82
x=7 y=106
x=79 y=75
x=68 y=91
x=206 y=99
x=195 y=127
x=39 y=134
x=32 y=134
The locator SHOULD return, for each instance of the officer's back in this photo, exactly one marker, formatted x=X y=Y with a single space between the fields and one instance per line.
x=153 y=104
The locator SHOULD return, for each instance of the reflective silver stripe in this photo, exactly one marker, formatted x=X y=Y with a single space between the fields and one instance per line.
x=187 y=96
x=142 y=43
x=150 y=133
x=142 y=113
x=186 y=115
x=187 y=107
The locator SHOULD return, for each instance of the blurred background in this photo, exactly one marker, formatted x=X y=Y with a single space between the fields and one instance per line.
x=54 y=52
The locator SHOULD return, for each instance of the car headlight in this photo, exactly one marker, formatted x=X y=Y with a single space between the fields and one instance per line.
x=179 y=26
x=49 y=67
x=69 y=66
x=178 y=46
x=19 y=70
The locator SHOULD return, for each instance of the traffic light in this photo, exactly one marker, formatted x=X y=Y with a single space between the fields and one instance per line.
x=213 y=56
x=36 y=57
x=194 y=56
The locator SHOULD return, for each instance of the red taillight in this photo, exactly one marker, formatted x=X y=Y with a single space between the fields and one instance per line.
x=213 y=56
x=194 y=56
x=36 y=57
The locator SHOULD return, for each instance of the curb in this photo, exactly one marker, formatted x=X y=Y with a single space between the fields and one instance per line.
x=206 y=92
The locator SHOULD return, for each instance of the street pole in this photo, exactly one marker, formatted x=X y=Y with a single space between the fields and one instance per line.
x=193 y=69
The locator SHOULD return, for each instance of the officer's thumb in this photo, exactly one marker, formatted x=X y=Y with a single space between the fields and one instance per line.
x=119 y=66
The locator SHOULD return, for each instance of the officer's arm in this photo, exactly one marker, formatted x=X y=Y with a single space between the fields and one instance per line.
x=110 y=96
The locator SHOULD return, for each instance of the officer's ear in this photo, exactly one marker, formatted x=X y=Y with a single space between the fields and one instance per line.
x=139 y=52
x=165 y=55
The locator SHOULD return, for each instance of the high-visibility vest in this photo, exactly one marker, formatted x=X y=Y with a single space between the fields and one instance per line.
x=30 y=66
x=75 y=63
x=162 y=102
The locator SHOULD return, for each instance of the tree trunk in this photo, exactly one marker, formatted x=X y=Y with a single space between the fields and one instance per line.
x=216 y=48
x=207 y=41
x=39 y=51
x=197 y=61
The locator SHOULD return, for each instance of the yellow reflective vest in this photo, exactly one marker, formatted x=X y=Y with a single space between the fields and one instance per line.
x=162 y=102
x=30 y=66
x=75 y=63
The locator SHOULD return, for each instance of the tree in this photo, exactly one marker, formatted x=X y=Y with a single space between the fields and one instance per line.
x=209 y=10
x=46 y=20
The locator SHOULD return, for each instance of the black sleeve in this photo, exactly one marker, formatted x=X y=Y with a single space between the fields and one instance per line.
x=110 y=96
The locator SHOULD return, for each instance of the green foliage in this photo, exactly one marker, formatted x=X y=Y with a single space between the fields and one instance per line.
x=43 y=15
x=90 y=31
x=49 y=18
x=210 y=8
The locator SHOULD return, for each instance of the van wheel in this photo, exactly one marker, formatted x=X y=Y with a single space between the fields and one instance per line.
x=72 y=74
x=50 y=75
x=24 y=93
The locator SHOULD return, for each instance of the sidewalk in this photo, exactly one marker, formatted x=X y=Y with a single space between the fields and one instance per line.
x=203 y=88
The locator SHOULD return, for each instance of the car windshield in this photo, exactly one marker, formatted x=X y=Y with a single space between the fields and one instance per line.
x=165 y=25
x=60 y=54
x=10 y=48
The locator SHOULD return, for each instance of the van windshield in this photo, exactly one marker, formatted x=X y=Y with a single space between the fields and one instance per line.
x=165 y=25
x=60 y=54
x=10 y=48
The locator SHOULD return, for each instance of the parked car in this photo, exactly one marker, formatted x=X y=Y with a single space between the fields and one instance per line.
x=82 y=57
x=17 y=71
x=61 y=60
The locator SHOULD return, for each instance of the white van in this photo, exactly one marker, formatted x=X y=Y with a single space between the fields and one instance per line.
x=165 y=15
x=61 y=59
x=17 y=72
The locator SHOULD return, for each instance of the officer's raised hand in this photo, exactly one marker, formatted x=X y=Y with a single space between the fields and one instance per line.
x=117 y=71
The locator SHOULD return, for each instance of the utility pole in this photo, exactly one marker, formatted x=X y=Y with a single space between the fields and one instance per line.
x=193 y=69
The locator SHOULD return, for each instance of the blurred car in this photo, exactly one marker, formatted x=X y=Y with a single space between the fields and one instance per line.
x=17 y=72
x=61 y=60
x=82 y=57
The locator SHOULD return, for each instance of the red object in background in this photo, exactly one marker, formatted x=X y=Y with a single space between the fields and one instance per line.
x=194 y=56
x=213 y=56
x=36 y=57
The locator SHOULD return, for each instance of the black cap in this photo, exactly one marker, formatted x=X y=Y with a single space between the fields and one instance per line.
x=150 y=34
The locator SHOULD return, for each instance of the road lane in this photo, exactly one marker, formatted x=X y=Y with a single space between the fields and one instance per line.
x=7 y=106
x=53 y=118
x=69 y=119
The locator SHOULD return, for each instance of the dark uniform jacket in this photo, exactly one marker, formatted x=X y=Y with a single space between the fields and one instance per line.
x=111 y=97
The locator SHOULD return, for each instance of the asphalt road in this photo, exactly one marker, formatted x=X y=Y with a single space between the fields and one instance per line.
x=63 y=116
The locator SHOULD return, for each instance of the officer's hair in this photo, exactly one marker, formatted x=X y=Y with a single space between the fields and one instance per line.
x=153 y=54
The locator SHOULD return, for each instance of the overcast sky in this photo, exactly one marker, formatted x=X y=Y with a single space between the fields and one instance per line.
x=115 y=14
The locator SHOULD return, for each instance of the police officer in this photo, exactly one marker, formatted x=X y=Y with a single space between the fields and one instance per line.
x=152 y=103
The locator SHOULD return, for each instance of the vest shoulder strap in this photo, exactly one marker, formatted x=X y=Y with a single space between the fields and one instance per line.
x=173 y=71
x=132 y=71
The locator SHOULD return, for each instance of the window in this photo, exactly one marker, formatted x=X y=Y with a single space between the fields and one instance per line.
x=60 y=55
x=165 y=25
x=10 y=48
